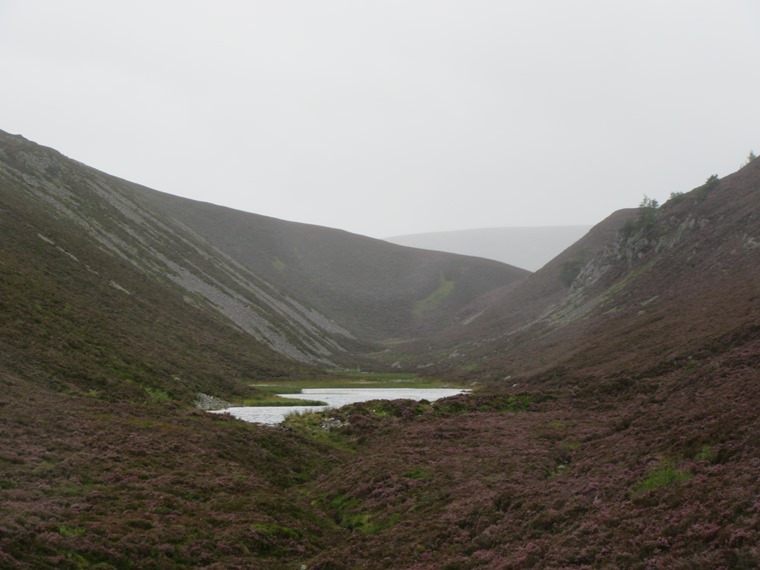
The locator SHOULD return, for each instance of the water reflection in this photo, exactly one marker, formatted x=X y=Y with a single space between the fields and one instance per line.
x=335 y=398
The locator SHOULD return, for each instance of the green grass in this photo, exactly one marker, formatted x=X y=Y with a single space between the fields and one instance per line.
x=707 y=453
x=432 y=301
x=354 y=379
x=346 y=515
x=663 y=475
x=157 y=396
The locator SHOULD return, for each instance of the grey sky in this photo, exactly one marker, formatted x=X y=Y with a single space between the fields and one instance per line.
x=392 y=117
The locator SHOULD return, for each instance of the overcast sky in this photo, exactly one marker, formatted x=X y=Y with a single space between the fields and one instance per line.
x=392 y=117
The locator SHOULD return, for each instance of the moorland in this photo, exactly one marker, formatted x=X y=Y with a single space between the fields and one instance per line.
x=612 y=421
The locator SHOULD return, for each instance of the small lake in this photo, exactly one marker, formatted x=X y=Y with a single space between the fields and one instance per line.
x=335 y=398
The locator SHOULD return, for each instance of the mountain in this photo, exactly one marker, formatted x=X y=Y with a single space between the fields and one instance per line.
x=312 y=294
x=668 y=281
x=374 y=289
x=612 y=424
x=527 y=247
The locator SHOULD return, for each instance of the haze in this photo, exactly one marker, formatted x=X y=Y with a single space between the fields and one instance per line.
x=390 y=118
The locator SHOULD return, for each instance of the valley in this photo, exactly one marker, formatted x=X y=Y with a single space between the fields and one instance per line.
x=611 y=419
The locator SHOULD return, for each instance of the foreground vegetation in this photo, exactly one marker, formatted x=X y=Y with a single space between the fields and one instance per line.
x=543 y=475
x=617 y=430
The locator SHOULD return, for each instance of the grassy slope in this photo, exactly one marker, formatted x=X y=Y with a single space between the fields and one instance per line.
x=65 y=322
x=645 y=454
x=367 y=285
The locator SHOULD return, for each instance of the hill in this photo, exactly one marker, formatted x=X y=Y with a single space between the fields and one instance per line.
x=614 y=423
x=374 y=289
x=84 y=308
x=527 y=247
x=617 y=425
x=312 y=294
x=660 y=283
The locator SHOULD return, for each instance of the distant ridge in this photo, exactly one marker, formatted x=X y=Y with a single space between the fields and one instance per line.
x=527 y=247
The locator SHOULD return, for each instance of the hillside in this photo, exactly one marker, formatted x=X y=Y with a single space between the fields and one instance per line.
x=78 y=318
x=527 y=247
x=618 y=425
x=667 y=281
x=312 y=294
x=374 y=289
x=613 y=425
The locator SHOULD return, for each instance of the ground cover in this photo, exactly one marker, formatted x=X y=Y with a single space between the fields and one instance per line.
x=354 y=379
x=660 y=473
x=89 y=484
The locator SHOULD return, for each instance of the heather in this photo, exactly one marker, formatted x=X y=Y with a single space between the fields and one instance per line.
x=612 y=424
x=661 y=473
x=129 y=486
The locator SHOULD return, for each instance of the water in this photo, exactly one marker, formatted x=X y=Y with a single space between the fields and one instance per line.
x=335 y=398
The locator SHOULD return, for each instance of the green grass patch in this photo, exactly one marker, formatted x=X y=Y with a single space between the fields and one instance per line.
x=272 y=530
x=278 y=389
x=433 y=301
x=707 y=453
x=354 y=379
x=417 y=473
x=64 y=530
x=347 y=517
x=157 y=396
x=663 y=475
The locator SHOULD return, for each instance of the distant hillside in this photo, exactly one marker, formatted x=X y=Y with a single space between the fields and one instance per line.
x=312 y=294
x=526 y=247
x=372 y=288
x=656 y=282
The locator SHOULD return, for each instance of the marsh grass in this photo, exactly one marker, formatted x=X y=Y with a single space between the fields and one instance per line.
x=354 y=379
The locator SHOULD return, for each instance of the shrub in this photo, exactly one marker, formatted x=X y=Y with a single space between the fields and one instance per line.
x=712 y=182
x=663 y=475
x=646 y=219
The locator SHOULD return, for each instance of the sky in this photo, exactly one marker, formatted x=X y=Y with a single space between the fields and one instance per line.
x=392 y=117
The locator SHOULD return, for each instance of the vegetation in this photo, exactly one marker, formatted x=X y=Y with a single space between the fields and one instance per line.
x=433 y=301
x=614 y=427
x=645 y=222
x=661 y=476
x=569 y=271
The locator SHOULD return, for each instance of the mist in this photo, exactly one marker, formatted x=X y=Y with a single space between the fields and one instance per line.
x=396 y=117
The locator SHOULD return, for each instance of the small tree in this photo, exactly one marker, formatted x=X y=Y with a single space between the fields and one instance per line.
x=649 y=203
x=750 y=157
x=647 y=213
x=712 y=182
x=645 y=221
